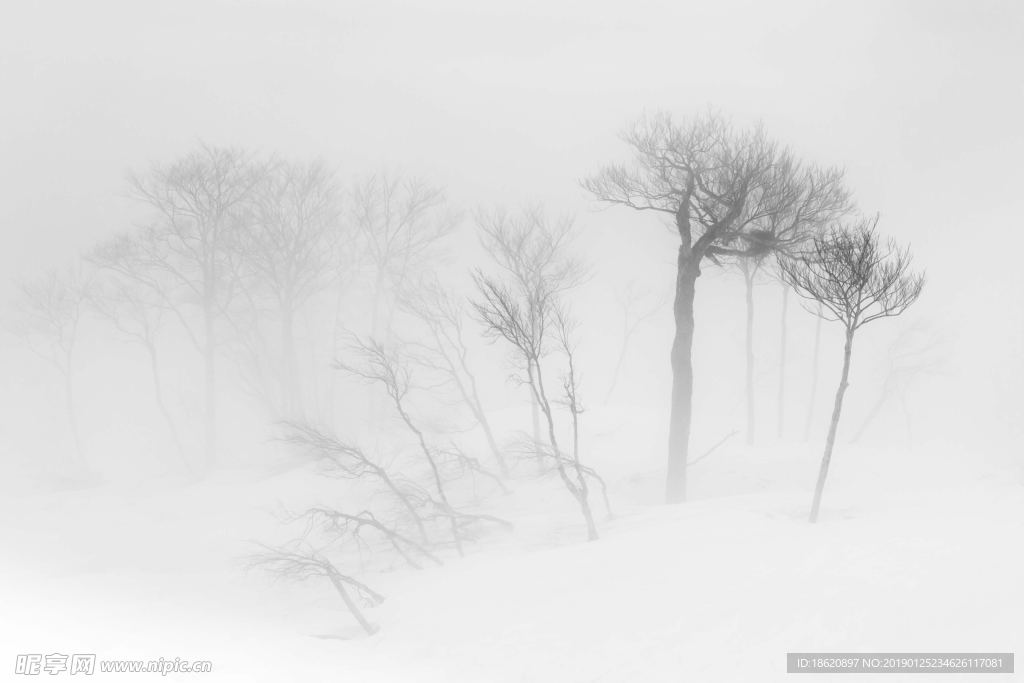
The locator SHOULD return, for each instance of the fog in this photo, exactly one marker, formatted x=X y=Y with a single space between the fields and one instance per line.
x=177 y=444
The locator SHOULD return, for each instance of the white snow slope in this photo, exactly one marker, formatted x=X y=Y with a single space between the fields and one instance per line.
x=913 y=553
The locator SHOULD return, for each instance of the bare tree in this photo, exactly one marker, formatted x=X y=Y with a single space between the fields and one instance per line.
x=289 y=254
x=51 y=310
x=374 y=363
x=200 y=207
x=721 y=188
x=530 y=250
x=346 y=461
x=342 y=524
x=299 y=561
x=444 y=350
x=138 y=315
x=525 y=310
x=856 y=280
x=400 y=222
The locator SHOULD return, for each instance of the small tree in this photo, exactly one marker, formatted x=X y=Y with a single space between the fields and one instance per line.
x=530 y=250
x=375 y=364
x=300 y=561
x=856 y=280
x=378 y=365
x=342 y=460
x=525 y=311
x=445 y=351
x=51 y=311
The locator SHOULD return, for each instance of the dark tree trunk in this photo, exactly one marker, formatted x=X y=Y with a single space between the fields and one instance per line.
x=682 y=376
x=833 y=427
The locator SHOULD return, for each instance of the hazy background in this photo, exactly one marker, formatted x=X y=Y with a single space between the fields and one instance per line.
x=922 y=102
x=514 y=103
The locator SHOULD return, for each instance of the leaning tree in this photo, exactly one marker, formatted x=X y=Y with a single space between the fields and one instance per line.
x=851 y=277
x=526 y=309
x=721 y=187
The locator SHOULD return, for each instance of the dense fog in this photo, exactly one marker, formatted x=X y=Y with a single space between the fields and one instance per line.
x=538 y=341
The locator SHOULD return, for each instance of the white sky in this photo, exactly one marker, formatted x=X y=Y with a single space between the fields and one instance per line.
x=923 y=103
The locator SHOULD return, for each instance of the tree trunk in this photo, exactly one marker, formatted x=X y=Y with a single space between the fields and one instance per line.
x=351 y=604
x=781 y=399
x=682 y=376
x=535 y=424
x=833 y=427
x=814 y=376
x=578 y=492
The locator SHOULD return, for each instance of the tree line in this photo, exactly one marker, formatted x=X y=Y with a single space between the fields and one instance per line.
x=234 y=248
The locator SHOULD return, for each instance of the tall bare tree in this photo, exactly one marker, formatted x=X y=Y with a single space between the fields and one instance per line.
x=289 y=254
x=720 y=187
x=855 y=279
x=200 y=207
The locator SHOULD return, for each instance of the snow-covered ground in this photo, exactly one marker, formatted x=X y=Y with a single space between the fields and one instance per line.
x=914 y=552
